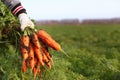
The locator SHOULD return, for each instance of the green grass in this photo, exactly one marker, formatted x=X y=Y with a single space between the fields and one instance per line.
x=94 y=52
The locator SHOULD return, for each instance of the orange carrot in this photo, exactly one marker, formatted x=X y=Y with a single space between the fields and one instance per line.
x=45 y=59
x=48 y=65
x=47 y=54
x=35 y=40
x=35 y=72
x=24 y=66
x=38 y=54
x=47 y=39
x=31 y=57
x=35 y=61
x=37 y=48
x=24 y=53
x=24 y=46
x=25 y=40
x=36 y=68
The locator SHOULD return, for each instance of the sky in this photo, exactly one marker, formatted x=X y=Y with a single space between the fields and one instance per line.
x=71 y=9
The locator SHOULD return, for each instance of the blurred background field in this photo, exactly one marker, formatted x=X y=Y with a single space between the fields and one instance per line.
x=94 y=51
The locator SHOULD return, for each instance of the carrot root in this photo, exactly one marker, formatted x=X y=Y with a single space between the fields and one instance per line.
x=47 y=39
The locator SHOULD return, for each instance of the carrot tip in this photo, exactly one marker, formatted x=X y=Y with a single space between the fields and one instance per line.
x=64 y=53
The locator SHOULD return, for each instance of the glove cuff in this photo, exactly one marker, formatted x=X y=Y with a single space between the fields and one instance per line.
x=18 y=9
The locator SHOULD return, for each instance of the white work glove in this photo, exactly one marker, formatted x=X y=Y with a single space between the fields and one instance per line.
x=25 y=21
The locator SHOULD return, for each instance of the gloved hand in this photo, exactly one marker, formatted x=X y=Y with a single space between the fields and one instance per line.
x=25 y=21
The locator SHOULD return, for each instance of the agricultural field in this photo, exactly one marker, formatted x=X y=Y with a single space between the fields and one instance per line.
x=94 y=54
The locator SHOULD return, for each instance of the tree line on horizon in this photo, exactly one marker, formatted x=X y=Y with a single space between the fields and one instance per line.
x=77 y=21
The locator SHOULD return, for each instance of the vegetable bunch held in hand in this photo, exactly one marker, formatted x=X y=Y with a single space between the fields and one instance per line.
x=34 y=50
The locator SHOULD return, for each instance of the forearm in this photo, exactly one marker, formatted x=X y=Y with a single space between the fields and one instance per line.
x=15 y=6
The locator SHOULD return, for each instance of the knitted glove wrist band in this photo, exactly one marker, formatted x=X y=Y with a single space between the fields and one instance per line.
x=18 y=9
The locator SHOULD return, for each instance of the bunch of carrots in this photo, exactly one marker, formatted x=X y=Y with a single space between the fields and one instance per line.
x=34 y=50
